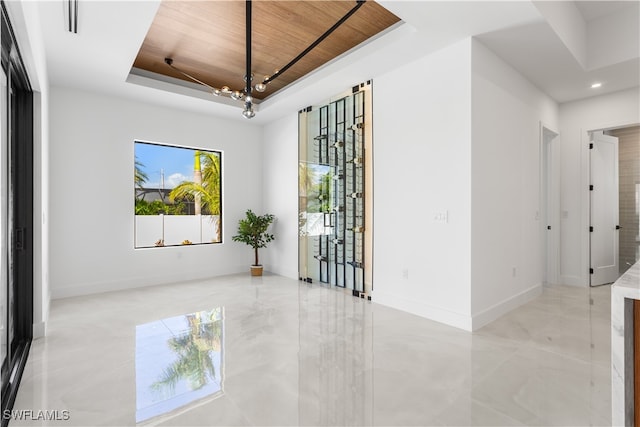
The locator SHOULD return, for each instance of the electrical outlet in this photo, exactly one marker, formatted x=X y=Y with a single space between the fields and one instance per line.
x=405 y=273
x=514 y=272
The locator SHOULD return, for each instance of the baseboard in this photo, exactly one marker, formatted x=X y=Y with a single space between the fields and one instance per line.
x=569 y=280
x=39 y=330
x=458 y=320
x=492 y=313
x=139 y=282
x=450 y=318
x=289 y=274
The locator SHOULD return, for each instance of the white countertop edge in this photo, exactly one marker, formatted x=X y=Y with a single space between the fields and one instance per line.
x=628 y=285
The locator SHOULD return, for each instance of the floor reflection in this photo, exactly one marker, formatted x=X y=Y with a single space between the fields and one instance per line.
x=179 y=361
x=335 y=379
x=293 y=353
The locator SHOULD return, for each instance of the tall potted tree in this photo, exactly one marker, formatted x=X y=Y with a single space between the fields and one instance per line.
x=252 y=230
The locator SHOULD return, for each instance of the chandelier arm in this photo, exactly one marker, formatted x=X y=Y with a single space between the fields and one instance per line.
x=353 y=10
x=169 y=62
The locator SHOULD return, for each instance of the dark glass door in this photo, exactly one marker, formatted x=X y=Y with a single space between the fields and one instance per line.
x=16 y=215
x=6 y=297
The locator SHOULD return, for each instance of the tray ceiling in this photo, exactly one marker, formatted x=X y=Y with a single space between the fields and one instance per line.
x=207 y=38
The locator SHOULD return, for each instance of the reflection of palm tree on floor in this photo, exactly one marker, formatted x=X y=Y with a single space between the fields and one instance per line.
x=207 y=192
x=194 y=348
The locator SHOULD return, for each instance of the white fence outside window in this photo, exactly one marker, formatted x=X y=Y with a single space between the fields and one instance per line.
x=174 y=229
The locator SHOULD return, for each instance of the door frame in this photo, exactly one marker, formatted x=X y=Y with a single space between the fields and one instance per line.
x=584 y=279
x=549 y=214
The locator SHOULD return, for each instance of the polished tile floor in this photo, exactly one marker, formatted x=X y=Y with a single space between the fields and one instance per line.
x=272 y=351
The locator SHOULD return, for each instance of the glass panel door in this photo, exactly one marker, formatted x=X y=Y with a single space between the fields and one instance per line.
x=332 y=192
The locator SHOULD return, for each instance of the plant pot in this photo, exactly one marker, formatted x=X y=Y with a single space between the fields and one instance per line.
x=256 y=270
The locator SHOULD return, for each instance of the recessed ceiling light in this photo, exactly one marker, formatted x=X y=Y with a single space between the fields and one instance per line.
x=596 y=85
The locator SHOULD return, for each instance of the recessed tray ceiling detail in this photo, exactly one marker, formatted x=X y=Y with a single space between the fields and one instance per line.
x=206 y=39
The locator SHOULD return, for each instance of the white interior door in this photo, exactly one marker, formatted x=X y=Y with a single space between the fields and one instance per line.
x=549 y=207
x=604 y=209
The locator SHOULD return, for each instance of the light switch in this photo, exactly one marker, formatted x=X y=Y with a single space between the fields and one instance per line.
x=441 y=217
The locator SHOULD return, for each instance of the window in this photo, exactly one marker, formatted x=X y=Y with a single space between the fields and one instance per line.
x=177 y=195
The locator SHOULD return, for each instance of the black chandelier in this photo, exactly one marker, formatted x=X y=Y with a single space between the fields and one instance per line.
x=245 y=95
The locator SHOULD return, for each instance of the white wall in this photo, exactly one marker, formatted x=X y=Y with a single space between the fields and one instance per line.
x=422 y=167
x=92 y=146
x=280 y=187
x=25 y=20
x=465 y=135
x=576 y=120
x=507 y=264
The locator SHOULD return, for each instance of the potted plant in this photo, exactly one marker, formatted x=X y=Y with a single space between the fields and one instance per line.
x=252 y=230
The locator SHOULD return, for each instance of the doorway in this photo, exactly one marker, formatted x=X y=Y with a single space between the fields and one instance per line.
x=628 y=195
x=614 y=189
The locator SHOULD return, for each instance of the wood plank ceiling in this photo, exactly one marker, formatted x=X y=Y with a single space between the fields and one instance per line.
x=207 y=38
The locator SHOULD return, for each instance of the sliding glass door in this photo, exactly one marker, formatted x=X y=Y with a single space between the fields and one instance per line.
x=6 y=324
x=16 y=215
